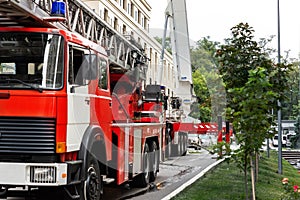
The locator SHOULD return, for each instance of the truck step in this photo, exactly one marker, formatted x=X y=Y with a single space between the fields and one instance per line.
x=107 y=180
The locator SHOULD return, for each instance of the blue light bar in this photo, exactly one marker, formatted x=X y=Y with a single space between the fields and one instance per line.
x=58 y=9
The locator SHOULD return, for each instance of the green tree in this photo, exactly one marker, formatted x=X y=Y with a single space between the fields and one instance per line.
x=253 y=84
x=290 y=106
x=201 y=109
x=294 y=139
x=296 y=115
x=208 y=85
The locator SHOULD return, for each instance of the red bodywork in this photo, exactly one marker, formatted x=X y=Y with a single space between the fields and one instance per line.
x=190 y=127
x=30 y=103
x=120 y=117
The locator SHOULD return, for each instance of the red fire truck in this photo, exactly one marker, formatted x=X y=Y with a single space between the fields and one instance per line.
x=74 y=108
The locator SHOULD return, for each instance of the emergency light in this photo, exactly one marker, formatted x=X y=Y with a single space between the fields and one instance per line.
x=58 y=9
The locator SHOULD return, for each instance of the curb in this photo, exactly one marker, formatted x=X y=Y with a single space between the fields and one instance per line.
x=191 y=181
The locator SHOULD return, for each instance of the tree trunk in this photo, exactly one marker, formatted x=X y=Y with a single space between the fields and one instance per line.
x=252 y=177
x=245 y=177
x=256 y=166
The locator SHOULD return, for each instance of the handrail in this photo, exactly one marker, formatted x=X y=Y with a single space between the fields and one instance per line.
x=122 y=106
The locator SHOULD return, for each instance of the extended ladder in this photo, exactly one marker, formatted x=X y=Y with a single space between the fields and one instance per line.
x=79 y=18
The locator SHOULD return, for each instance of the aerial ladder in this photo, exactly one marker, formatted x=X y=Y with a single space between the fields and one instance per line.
x=71 y=15
x=178 y=122
x=176 y=19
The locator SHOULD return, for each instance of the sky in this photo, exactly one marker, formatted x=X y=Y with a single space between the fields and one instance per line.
x=215 y=18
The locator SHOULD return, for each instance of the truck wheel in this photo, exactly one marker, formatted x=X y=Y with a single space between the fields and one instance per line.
x=184 y=144
x=3 y=191
x=154 y=161
x=180 y=144
x=168 y=147
x=92 y=186
x=144 y=178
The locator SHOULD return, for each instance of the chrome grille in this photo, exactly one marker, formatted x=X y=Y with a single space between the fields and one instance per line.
x=27 y=135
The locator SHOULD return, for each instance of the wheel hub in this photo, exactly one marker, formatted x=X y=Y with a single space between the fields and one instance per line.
x=3 y=190
x=92 y=185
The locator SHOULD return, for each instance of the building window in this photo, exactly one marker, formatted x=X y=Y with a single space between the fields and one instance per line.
x=150 y=69
x=172 y=75
x=100 y=12
x=155 y=64
x=124 y=29
x=139 y=17
x=116 y=24
x=151 y=55
x=143 y=21
x=124 y=4
x=129 y=8
x=169 y=72
x=136 y=15
x=105 y=15
x=132 y=10
x=139 y=40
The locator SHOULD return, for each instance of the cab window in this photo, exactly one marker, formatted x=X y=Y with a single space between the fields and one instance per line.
x=102 y=71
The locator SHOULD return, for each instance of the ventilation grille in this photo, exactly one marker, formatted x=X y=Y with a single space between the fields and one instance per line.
x=27 y=135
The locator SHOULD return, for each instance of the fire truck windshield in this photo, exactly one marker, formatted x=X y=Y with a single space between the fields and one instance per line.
x=31 y=60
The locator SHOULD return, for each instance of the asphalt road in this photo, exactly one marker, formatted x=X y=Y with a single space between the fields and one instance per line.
x=175 y=174
x=178 y=173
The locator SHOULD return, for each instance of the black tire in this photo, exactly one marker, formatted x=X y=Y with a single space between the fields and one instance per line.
x=176 y=148
x=143 y=179
x=184 y=144
x=180 y=144
x=168 y=146
x=154 y=161
x=92 y=186
x=3 y=191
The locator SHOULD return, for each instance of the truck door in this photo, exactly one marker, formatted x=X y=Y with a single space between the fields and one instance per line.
x=103 y=102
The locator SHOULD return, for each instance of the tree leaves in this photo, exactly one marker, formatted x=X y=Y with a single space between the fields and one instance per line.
x=208 y=85
x=253 y=84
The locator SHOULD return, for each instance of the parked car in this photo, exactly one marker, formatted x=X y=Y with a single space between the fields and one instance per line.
x=207 y=140
x=289 y=136
x=283 y=140
x=275 y=140
x=194 y=141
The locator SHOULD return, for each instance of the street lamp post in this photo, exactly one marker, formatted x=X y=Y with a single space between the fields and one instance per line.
x=279 y=103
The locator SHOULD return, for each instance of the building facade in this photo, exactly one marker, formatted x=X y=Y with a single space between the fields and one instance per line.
x=132 y=17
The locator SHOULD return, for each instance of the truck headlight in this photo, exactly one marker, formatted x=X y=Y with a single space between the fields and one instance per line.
x=42 y=174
